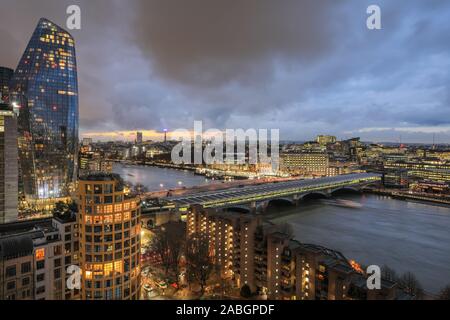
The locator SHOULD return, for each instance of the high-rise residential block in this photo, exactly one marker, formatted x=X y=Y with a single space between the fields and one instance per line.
x=263 y=256
x=109 y=239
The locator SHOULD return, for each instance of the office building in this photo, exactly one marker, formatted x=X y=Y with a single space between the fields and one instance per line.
x=109 y=239
x=304 y=163
x=138 y=137
x=45 y=88
x=5 y=77
x=325 y=139
x=400 y=173
x=8 y=164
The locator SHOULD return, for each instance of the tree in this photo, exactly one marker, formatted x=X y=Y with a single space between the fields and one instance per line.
x=445 y=293
x=246 y=292
x=160 y=246
x=63 y=209
x=168 y=244
x=177 y=237
x=225 y=286
x=199 y=262
x=388 y=274
x=409 y=283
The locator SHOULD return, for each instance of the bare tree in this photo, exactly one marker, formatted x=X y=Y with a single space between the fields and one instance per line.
x=409 y=283
x=160 y=245
x=445 y=293
x=388 y=273
x=177 y=239
x=199 y=262
x=168 y=243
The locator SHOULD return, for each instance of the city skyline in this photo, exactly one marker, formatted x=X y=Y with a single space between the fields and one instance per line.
x=272 y=75
x=216 y=150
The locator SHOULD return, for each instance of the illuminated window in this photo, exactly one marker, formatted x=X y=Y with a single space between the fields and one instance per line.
x=40 y=254
x=118 y=208
x=88 y=188
x=108 y=269
x=118 y=266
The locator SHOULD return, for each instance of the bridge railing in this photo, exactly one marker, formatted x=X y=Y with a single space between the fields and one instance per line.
x=283 y=192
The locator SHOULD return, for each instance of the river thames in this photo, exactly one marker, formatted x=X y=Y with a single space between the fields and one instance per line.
x=155 y=178
x=406 y=236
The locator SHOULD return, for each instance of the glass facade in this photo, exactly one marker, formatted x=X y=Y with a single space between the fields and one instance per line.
x=45 y=88
x=5 y=78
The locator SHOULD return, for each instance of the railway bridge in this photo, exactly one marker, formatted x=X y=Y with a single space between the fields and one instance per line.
x=256 y=198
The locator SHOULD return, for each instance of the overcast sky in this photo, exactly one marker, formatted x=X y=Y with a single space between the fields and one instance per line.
x=306 y=67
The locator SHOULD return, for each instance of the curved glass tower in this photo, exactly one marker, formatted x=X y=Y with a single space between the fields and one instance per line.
x=44 y=87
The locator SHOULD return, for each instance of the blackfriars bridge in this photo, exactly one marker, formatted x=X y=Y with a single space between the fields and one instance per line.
x=258 y=197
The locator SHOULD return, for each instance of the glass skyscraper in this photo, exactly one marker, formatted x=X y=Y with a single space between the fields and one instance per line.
x=45 y=89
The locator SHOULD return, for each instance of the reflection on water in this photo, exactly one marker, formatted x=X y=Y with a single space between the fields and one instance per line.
x=406 y=236
x=158 y=178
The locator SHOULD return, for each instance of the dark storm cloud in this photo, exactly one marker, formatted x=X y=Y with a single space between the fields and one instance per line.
x=303 y=66
x=212 y=42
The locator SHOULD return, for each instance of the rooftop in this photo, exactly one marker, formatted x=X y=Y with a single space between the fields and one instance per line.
x=22 y=226
x=16 y=245
x=100 y=176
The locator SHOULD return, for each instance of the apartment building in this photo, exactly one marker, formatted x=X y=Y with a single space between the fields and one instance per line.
x=34 y=259
x=110 y=239
x=263 y=256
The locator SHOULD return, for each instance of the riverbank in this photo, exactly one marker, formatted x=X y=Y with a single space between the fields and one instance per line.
x=162 y=180
x=402 y=195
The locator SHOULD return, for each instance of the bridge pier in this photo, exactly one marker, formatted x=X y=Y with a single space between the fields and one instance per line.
x=296 y=199
x=263 y=206
x=253 y=207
